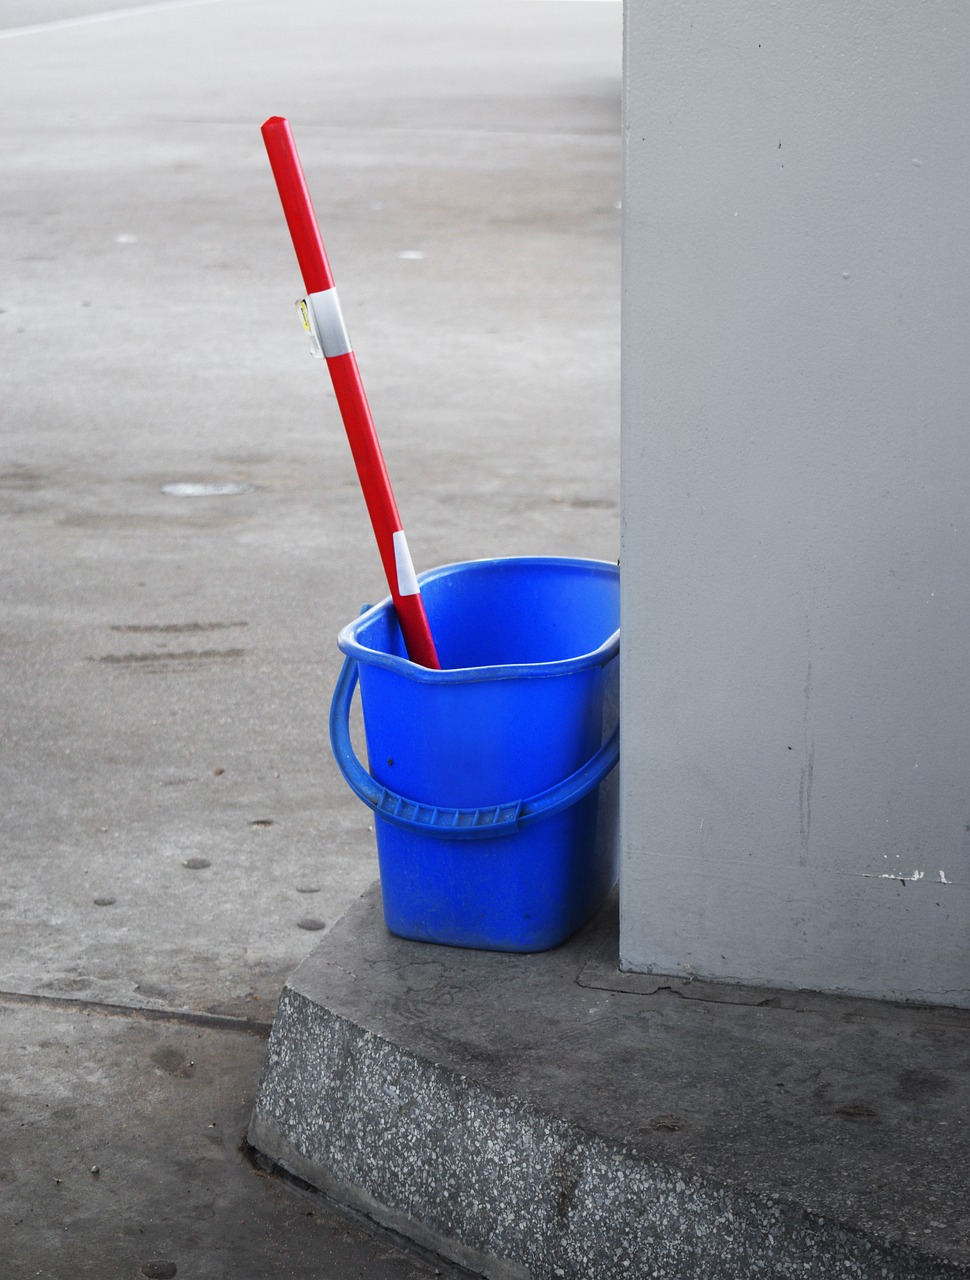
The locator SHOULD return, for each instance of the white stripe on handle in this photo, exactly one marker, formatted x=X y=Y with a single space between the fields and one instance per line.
x=407 y=579
x=329 y=321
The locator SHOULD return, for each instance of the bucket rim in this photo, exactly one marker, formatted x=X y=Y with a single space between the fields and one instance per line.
x=349 y=645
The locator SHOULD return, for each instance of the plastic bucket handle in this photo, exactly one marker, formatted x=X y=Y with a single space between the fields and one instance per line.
x=456 y=824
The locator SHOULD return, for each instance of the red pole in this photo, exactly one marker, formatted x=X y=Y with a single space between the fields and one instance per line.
x=323 y=315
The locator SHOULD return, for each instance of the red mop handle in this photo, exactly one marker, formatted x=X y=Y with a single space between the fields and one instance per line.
x=327 y=323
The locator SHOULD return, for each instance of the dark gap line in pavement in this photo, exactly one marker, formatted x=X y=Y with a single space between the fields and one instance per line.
x=184 y=1017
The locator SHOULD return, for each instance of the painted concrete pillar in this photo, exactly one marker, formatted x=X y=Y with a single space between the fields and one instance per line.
x=796 y=494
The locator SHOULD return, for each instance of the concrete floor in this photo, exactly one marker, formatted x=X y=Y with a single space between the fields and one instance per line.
x=174 y=834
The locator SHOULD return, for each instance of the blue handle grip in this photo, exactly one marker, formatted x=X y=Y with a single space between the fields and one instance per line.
x=455 y=824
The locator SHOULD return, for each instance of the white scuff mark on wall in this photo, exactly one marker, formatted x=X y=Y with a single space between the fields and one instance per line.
x=894 y=875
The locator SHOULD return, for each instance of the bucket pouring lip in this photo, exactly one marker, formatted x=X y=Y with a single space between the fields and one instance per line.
x=350 y=645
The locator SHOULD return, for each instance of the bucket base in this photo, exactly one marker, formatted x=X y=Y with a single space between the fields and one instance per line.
x=520 y=893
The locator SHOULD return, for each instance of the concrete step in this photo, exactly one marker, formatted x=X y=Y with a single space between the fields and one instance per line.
x=548 y=1116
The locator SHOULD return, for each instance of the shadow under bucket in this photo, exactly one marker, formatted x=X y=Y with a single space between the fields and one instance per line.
x=494 y=816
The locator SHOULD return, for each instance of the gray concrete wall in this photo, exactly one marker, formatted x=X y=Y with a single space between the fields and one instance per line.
x=796 y=475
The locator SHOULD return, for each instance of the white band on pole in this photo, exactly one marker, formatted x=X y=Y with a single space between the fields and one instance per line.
x=407 y=579
x=327 y=323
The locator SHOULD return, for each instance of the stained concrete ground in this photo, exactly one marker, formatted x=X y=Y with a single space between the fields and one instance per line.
x=175 y=837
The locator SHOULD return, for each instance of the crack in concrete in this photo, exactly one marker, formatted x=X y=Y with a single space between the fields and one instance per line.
x=184 y=1017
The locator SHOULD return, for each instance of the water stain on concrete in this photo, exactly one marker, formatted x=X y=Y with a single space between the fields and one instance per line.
x=181 y=655
x=173 y=1062
x=174 y=628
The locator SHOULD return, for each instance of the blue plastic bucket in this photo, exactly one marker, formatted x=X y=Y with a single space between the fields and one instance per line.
x=495 y=828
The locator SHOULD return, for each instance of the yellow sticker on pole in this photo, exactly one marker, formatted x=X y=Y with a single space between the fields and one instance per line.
x=310 y=325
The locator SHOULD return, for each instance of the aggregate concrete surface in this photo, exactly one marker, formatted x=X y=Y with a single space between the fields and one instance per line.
x=608 y=1124
x=175 y=837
